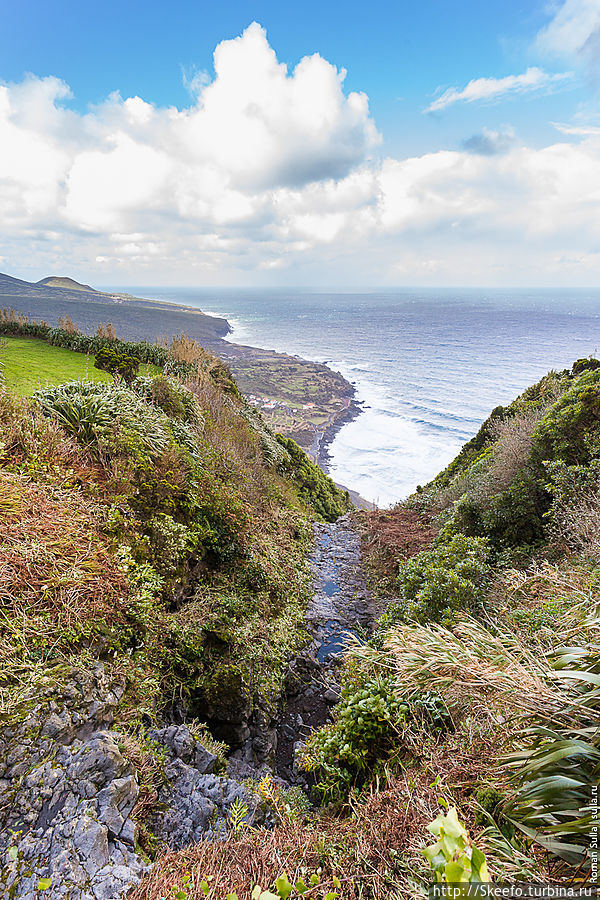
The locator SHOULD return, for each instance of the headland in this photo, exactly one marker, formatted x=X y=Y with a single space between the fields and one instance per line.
x=301 y=399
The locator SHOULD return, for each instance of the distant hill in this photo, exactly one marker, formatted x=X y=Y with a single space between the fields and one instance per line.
x=133 y=318
x=63 y=281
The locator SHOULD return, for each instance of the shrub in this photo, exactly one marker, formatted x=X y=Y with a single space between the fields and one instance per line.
x=449 y=577
x=574 y=516
x=565 y=430
x=169 y=541
x=175 y=400
x=368 y=721
x=312 y=484
x=120 y=365
x=585 y=364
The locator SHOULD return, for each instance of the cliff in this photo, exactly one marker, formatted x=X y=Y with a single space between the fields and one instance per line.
x=153 y=536
x=167 y=654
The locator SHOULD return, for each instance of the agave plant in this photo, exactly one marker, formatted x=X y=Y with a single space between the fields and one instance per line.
x=91 y=410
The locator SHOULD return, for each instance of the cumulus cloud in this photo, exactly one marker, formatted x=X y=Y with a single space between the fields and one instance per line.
x=255 y=127
x=534 y=79
x=270 y=173
x=490 y=142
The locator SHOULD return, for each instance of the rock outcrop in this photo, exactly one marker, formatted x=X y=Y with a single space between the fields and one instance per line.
x=68 y=795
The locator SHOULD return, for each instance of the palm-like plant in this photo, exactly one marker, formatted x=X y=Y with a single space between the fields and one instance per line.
x=551 y=699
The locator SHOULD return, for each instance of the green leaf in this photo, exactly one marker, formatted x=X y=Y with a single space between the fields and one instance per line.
x=204 y=887
x=479 y=866
x=336 y=882
x=452 y=826
x=458 y=872
x=301 y=886
x=284 y=888
x=44 y=884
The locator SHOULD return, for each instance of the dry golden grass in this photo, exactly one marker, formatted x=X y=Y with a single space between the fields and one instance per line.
x=53 y=559
x=106 y=331
x=374 y=851
x=67 y=324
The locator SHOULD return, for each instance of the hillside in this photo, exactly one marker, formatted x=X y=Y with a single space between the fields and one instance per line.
x=134 y=318
x=302 y=399
x=465 y=742
x=170 y=666
x=153 y=537
x=63 y=281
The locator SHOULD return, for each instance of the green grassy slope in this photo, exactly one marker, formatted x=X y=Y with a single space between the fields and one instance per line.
x=187 y=492
x=29 y=364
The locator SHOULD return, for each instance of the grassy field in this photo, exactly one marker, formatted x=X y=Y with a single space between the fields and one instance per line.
x=28 y=364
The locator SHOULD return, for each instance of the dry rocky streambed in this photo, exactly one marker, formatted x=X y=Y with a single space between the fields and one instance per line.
x=68 y=789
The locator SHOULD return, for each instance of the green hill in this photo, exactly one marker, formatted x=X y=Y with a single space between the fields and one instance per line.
x=63 y=281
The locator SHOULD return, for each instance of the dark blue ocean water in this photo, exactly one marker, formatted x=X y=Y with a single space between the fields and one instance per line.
x=429 y=365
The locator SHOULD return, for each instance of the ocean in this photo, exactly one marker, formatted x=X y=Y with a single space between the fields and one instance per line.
x=428 y=365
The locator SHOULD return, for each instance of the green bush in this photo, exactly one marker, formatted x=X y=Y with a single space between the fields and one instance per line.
x=567 y=427
x=582 y=365
x=368 y=722
x=119 y=365
x=450 y=577
x=167 y=394
x=312 y=484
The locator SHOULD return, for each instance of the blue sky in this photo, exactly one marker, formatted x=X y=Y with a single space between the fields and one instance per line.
x=398 y=53
x=507 y=72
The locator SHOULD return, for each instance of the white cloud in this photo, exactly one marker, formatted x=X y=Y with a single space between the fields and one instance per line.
x=573 y=30
x=268 y=175
x=576 y=130
x=490 y=142
x=534 y=79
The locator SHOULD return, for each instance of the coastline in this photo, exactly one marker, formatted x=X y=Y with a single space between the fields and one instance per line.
x=305 y=400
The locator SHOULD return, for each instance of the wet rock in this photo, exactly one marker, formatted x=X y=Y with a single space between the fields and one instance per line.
x=340 y=606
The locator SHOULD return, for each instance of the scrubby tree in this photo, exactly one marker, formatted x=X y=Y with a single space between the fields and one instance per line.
x=120 y=365
x=580 y=365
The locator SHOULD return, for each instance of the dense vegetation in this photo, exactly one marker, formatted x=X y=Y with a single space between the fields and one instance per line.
x=162 y=527
x=493 y=630
x=155 y=525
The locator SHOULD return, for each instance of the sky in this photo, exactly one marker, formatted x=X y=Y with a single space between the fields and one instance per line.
x=313 y=144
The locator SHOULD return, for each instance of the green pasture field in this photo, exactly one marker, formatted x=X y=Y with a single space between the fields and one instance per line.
x=28 y=364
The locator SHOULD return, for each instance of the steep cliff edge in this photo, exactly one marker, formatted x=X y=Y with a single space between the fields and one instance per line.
x=153 y=543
